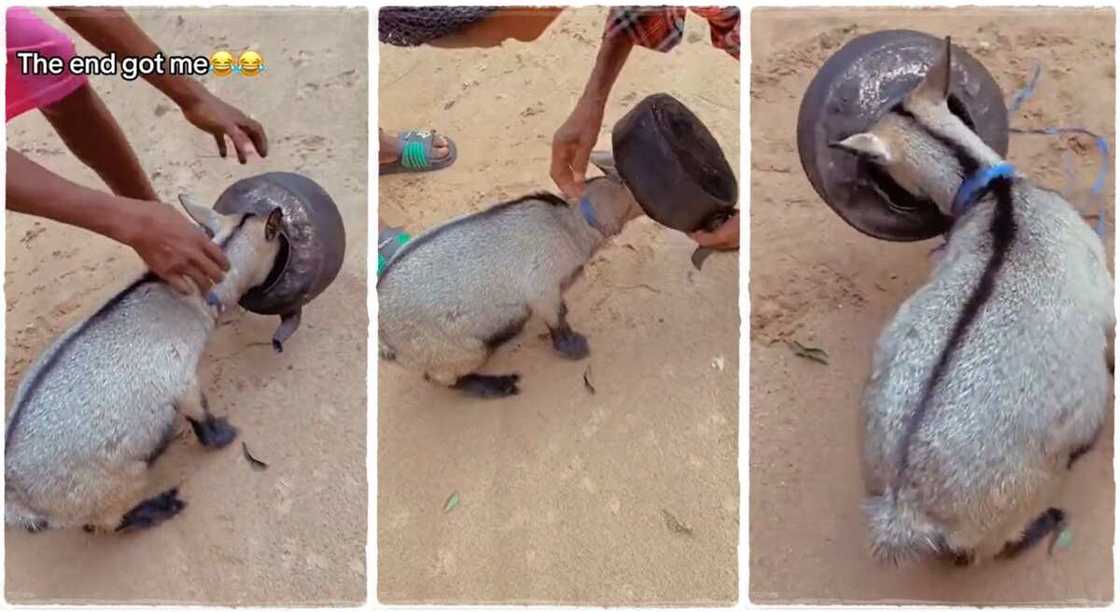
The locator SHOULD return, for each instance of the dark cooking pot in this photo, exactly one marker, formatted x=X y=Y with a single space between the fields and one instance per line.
x=313 y=243
x=674 y=167
x=851 y=90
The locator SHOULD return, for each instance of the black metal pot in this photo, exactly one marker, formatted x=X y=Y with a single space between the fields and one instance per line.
x=313 y=243
x=674 y=166
x=851 y=90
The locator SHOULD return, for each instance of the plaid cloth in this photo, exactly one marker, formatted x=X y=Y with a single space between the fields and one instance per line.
x=661 y=27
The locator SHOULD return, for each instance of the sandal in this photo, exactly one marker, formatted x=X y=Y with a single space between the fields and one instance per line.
x=416 y=150
x=389 y=242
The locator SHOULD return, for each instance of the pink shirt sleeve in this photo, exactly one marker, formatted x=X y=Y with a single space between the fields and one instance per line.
x=27 y=32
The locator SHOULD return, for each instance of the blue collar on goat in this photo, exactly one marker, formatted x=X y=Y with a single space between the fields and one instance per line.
x=588 y=211
x=975 y=186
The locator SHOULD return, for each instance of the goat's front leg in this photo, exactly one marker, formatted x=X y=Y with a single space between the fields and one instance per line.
x=212 y=432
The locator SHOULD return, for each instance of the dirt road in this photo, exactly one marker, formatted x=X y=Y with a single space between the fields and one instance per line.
x=816 y=280
x=295 y=533
x=625 y=496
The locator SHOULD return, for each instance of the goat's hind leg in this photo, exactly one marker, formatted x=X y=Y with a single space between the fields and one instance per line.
x=125 y=509
x=152 y=511
x=1049 y=522
x=1080 y=451
x=487 y=385
x=460 y=372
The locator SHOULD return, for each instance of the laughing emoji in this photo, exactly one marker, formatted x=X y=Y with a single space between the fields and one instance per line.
x=251 y=63
x=222 y=63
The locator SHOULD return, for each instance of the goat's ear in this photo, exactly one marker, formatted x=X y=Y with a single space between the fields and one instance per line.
x=866 y=145
x=272 y=225
x=934 y=87
x=205 y=217
x=604 y=160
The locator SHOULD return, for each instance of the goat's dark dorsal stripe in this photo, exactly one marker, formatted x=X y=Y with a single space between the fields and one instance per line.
x=33 y=384
x=1003 y=230
x=968 y=164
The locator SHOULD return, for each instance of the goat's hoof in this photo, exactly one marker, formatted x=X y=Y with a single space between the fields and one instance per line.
x=214 y=432
x=572 y=345
x=153 y=511
x=482 y=385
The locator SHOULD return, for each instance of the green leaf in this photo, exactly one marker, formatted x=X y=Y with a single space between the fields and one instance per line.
x=1065 y=539
x=808 y=352
x=452 y=502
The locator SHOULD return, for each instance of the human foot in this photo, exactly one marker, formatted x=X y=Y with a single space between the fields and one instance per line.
x=414 y=151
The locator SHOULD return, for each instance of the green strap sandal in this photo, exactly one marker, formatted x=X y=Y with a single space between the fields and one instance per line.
x=416 y=152
x=389 y=241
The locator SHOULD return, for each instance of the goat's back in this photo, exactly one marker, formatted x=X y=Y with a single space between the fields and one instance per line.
x=1025 y=384
x=471 y=275
x=103 y=393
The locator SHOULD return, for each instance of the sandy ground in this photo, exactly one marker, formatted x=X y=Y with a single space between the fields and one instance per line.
x=295 y=533
x=564 y=495
x=816 y=280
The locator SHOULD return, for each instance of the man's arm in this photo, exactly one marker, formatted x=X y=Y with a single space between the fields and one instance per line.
x=572 y=143
x=112 y=30
x=613 y=53
x=34 y=190
x=170 y=245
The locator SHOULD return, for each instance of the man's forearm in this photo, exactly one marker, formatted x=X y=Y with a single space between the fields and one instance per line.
x=112 y=30
x=613 y=52
x=34 y=190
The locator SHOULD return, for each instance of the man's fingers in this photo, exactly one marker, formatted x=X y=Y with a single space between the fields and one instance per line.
x=580 y=157
x=208 y=268
x=561 y=173
x=703 y=239
x=199 y=277
x=178 y=283
x=563 y=180
x=214 y=252
x=569 y=168
x=724 y=237
x=257 y=135
x=221 y=140
x=712 y=240
x=241 y=143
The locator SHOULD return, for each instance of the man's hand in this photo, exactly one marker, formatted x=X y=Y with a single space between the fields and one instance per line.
x=210 y=114
x=723 y=238
x=174 y=247
x=571 y=147
x=112 y=30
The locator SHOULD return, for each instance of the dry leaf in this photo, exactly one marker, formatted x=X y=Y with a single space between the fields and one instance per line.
x=808 y=352
x=674 y=524
x=256 y=464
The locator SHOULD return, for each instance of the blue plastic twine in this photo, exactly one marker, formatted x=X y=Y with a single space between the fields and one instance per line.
x=1022 y=96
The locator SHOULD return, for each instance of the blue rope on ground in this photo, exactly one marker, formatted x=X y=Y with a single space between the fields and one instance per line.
x=1027 y=91
x=1022 y=96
